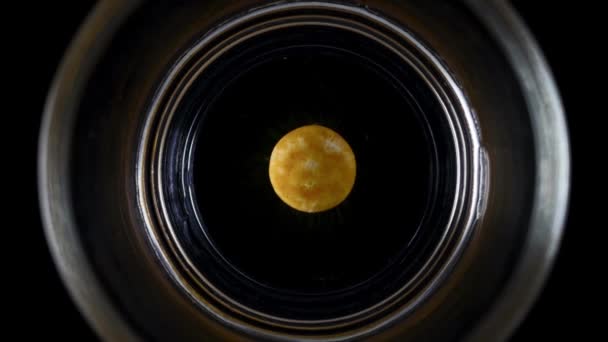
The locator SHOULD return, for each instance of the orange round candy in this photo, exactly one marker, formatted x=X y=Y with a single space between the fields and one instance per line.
x=312 y=169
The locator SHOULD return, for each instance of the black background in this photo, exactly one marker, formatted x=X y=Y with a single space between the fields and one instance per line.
x=44 y=30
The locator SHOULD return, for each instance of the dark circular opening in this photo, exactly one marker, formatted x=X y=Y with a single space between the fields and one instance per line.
x=240 y=235
x=256 y=231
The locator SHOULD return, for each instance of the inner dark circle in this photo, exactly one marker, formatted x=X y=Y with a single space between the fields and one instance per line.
x=253 y=229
